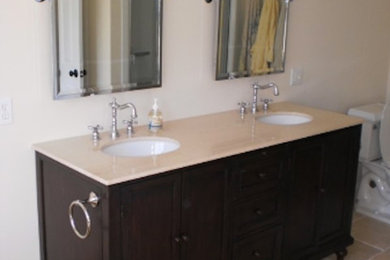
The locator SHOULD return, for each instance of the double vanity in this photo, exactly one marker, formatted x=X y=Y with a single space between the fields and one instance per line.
x=225 y=186
x=278 y=185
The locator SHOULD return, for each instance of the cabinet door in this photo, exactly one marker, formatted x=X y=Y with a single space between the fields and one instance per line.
x=306 y=168
x=203 y=206
x=338 y=184
x=58 y=186
x=151 y=218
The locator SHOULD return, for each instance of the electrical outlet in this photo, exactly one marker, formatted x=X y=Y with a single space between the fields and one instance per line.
x=296 y=77
x=5 y=111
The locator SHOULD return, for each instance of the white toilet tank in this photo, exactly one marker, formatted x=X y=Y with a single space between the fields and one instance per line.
x=370 y=149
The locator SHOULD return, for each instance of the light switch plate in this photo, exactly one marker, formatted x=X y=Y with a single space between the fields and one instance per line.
x=5 y=111
x=296 y=77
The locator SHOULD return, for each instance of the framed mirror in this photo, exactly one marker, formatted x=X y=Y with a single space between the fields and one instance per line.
x=105 y=46
x=251 y=37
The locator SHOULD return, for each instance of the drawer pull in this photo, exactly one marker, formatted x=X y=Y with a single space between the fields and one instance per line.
x=185 y=238
x=256 y=253
x=258 y=212
x=182 y=238
x=262 y=175
x=93 y=200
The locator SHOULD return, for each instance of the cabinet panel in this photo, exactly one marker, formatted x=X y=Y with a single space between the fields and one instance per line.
x=337 y=184
x=257 y=212
x=203 y=206
x=262 y=246
x=58 y=186
x=259 y=171
x=321 y=195
x=151 y=219
x=306 y=169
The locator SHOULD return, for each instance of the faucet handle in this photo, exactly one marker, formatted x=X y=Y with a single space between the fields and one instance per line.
x=255 y=85
x=95 y=131
x=243 y=105
x=130 y=125
x=266 y=102
x=113 y=104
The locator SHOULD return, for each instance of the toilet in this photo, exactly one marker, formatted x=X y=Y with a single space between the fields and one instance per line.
x=373 y=190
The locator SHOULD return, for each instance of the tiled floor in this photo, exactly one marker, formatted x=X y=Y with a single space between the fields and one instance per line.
x=372 y=240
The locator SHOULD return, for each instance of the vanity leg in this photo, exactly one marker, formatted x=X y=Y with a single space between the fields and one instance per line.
x=341 y=254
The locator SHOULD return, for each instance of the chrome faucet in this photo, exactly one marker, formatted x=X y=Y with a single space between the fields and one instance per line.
x=256 y=87
x=130 y=123
x=114 y=109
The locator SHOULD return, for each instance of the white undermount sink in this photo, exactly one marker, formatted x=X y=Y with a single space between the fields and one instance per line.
x=285 y=118
x=142 y=147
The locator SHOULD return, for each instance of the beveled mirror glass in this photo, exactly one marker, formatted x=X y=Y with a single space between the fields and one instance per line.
x=105 y=46
x=251 y=37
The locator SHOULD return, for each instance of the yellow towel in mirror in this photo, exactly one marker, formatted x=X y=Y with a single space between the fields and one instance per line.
x=262 y=51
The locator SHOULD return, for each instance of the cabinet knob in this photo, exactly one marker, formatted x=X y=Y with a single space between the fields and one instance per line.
x=262 y=175
x=322 y=190
x=83 y=73
x=177 y=239
x=74 y=73
x=185 y=238
x=258 y=212
x=256 y=254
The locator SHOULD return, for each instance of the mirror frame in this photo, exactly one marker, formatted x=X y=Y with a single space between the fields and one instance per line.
x=55 y=57
x=222 y=43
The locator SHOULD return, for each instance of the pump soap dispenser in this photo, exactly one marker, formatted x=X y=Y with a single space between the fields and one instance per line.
x=155 y=117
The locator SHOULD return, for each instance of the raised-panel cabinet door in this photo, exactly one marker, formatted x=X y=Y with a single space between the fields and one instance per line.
x=306 y=168
x=203 y=206
x=337 y=185
x=58 y=187
x=151 y=218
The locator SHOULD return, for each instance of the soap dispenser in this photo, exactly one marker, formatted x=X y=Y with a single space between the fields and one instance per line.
x=155 y=117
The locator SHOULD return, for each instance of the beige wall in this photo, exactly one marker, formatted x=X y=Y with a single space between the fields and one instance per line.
x=388 y=88
x=342 y=46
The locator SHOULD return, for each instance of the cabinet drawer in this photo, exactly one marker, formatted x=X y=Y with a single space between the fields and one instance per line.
x=259 y=171
x=261 y=246
x=264 y=209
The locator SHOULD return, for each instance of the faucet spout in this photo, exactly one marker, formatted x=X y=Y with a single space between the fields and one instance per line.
x=256 y=87
x=114 y=108
x=271 y=85
x=133 y=109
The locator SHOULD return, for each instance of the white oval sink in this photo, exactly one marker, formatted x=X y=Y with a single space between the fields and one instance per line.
x=142 y=147
x=285 y=118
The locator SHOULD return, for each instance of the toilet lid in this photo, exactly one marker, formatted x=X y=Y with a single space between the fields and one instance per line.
x=385 y=135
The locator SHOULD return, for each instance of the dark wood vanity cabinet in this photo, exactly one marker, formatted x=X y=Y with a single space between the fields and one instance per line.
x=321 y=195
x=175 y=215
x=257 y=204
x=58 y=187
x=179 y=216
x=290 y=201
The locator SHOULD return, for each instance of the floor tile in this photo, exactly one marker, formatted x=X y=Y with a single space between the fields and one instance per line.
x=383 y=256
x=372 y=232
x=357 y=216
x=358 y=251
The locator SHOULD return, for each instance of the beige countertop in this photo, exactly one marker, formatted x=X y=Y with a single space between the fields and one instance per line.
x=202 y=139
